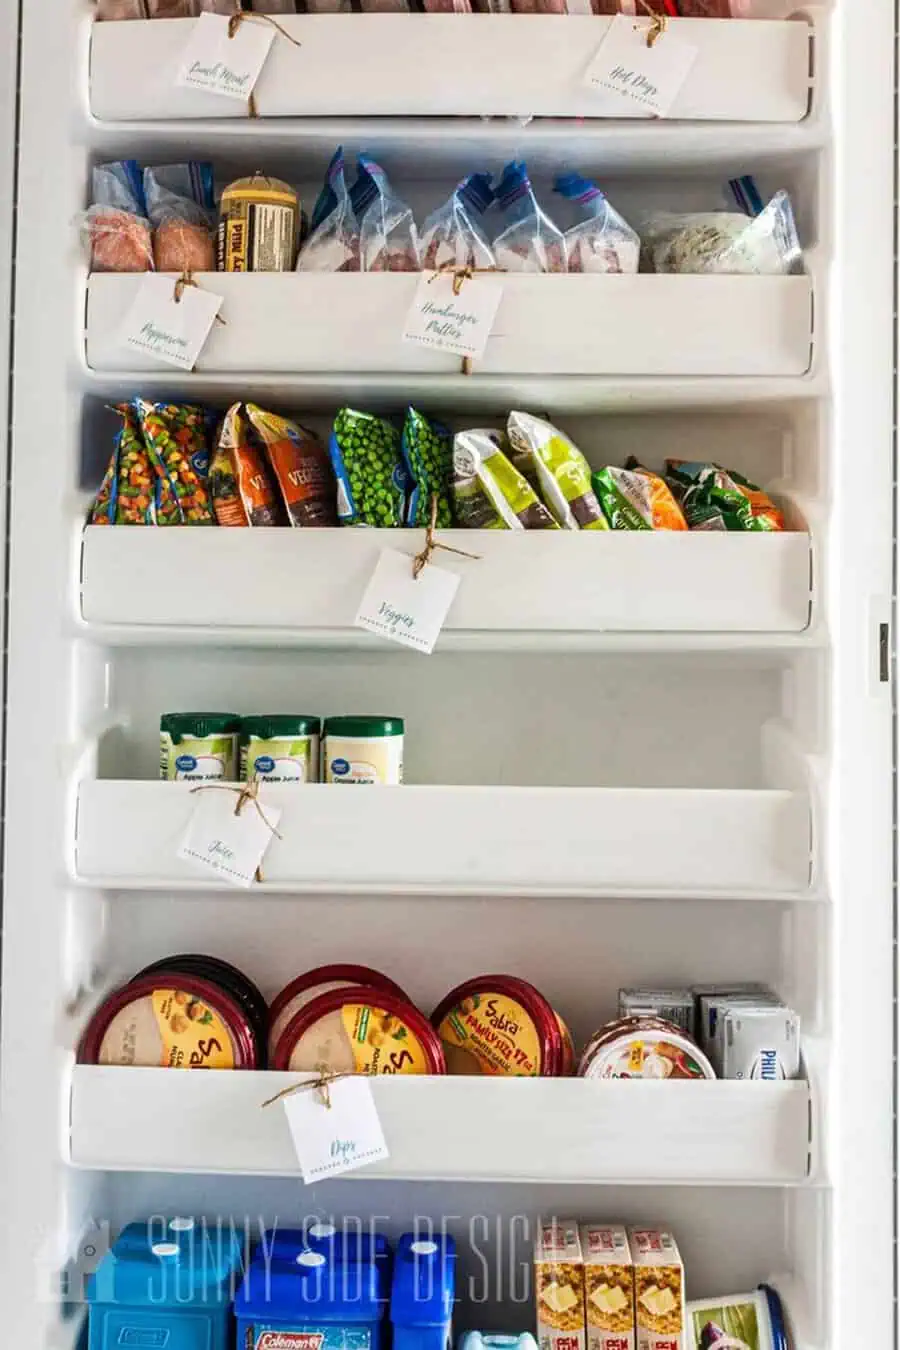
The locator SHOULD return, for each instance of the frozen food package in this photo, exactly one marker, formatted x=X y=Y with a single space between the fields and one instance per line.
x=529 y=241
x=301 y=467
x=372 y=480
x=333 y=242
x=563 y=474
x=603 y=241
x=713 y=498
x=181 y=205
x=240 y=483
x=726 y=242
x=259 y=225
x=388 y=238
x=126 y=495
x=453 y=235
x=636 y=499
x=175 y=437
x=488 y=492
x=447 y=6
x=427 y=449
x=116 y=223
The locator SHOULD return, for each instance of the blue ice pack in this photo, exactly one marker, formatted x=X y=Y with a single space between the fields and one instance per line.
x=165 y=1284
x=422 y=1292
x=311 y=1302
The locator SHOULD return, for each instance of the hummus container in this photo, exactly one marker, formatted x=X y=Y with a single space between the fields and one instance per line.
x=496 y=1024
x=229 y=978
x=363 y=750
x=754 y=1320
x=170 y=1021
x=280 y=748
x=643 y=1047
x=198 y=747
x=359 y=1030
x=322 y=980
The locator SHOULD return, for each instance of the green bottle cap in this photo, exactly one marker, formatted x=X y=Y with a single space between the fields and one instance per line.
x=199 y=725
x=269 y=726
x=364 y=726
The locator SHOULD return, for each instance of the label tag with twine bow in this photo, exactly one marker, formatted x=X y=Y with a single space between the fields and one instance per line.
x=641 y=63
x=336 y=1130
x=403 y=607
x=170 y=320
x=224 y=58
x=453 y=311
x=230 y=831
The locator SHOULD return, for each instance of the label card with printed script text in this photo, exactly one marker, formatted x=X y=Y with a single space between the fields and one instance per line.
x=404 y=608
x=339 y=1138
x=640 y=76
x=230 y=845
x=172 y=331
x=219 y=64
x=459 y=324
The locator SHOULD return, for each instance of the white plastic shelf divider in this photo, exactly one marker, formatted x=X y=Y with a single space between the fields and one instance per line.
x=562 y=325
x=533 y=581
x=563 y=1130
x=446 y=64
x=510 y=840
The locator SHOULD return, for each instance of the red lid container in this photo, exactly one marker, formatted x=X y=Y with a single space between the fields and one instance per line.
x=498 y=1024
x=322 y=980
x=359 y=1029
x=174 y=1021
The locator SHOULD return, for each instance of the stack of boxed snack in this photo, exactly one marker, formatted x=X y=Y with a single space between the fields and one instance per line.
x=608 y=1287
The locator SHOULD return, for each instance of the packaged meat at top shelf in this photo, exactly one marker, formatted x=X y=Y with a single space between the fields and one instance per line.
x=514 y=58
x=685 y=9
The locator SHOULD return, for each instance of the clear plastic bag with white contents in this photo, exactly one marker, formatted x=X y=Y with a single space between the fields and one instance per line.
x=333 y=243
x=388 y=238
x=603 y=241
x=529 y=241
x=453 y=235
x=727 y=242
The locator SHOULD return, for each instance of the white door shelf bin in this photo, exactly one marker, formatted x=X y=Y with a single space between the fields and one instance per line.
x=518 y=840
x=444 y=64
x=533 y=581
x=556 y=325
x=563 y=1130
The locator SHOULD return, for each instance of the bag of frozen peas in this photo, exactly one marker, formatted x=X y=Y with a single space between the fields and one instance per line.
x=372 y=480
x=427 y=448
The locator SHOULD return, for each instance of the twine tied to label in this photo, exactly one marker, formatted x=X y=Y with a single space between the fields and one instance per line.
x=658 y=24
x=187 y=280
x=421 y=560
x=241 y=16
x=460 y=274
x=322 y=1085
x=246 y=792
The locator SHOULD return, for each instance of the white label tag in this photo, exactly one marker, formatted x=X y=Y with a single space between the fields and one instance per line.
x=172 y=331
x=230 y=845
x=404 y=608
x=641 y=76
x=453 y=323
x=225 y=65
x=339 y=1138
